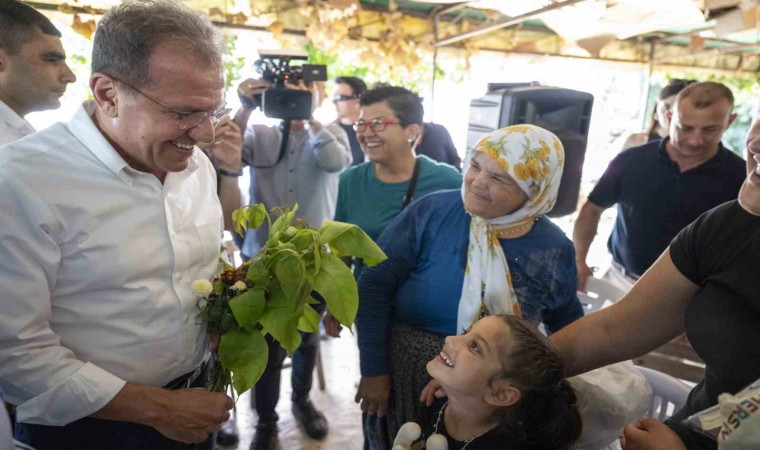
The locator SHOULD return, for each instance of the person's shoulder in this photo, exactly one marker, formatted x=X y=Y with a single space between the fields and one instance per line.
x=547 y=234
x=442 y=203
x=732 y=160
x=444 y=197
x=356 y=172
x=635 y=140
x=440 y=169
x=37 y=148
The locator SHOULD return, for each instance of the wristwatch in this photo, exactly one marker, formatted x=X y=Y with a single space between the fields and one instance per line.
x=230 y=174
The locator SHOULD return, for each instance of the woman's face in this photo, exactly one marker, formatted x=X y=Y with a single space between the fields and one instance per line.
x=664 y=106
x=489 y=191
x=382 y=138
x=468 y=362
x=749 y=195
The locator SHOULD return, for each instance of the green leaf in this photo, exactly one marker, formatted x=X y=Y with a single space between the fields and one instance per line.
x=245 y=353
x=257 y=271
x=309 y=321
x=280 y=319
x=336 y=284
x=290 y=273
x=248 y=307
x=256 y=215
x=282 y=222
x=349 y=240
x=304 y=239
x=240 y=221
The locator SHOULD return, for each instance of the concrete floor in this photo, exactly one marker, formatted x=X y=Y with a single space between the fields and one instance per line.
x=340 y=359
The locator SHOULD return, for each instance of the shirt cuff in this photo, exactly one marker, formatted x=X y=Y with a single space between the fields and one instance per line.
x=82 y=394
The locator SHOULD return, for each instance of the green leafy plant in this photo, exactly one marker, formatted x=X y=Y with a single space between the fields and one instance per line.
x=272 y=293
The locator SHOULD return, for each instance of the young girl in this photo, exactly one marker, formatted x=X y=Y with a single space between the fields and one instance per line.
x=505 y=388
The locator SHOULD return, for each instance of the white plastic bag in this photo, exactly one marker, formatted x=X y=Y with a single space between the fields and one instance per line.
x=608 y=399
x=718 y=425
x=740 y=424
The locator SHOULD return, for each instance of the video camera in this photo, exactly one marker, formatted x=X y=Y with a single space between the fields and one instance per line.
x=279 y=102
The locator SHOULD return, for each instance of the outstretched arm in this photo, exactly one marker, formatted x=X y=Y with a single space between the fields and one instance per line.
x=649 y=316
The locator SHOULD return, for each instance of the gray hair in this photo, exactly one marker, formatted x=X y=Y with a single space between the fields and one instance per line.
x=129 y=33
x=19 y=24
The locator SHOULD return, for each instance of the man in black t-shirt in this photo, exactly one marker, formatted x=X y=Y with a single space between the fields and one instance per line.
x=663 y=186
x=346 y=94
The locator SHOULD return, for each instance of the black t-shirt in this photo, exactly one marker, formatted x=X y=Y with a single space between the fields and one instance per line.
x=656 y=201
x=356 y=150
x=720 y=252
x=491 y=440
x=437 y=145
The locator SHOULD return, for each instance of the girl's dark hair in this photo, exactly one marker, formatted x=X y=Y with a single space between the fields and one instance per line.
x=405 y=104
x=546 y=416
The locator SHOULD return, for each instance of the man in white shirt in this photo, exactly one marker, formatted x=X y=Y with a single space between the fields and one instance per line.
x=107 y=220
x=33 y=70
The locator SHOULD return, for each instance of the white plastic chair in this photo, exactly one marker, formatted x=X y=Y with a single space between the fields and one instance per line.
x=669 y=394
x=603 y=288
x=599 y=294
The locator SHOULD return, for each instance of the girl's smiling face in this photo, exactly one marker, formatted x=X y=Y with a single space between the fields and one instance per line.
x=469 y=362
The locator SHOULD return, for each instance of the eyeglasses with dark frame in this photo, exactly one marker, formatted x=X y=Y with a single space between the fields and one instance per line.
x=185 y=120
x=343 y=98
x=377 y=124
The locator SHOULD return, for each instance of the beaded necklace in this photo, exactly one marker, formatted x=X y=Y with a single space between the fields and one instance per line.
x=466 y=441
x=508 y=231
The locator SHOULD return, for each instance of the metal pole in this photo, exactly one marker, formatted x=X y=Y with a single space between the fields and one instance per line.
x=650 y=69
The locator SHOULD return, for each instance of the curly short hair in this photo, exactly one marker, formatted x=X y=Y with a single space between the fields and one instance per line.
x=405 y=104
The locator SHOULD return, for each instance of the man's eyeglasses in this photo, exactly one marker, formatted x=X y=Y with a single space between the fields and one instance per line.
x=185 y=120
x=342 y=98
x=377 y=124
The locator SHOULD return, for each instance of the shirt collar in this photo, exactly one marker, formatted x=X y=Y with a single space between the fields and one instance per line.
x=84 y=129
x=662 y=154
x=10 y=117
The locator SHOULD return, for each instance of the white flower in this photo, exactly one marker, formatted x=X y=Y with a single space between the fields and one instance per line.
x=202 y=288
x=239 y=286
x=202 y=303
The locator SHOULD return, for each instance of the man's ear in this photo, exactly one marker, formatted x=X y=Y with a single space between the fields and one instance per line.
x=3 y=61
x=103 y=89
x=731 y=119
x=501 y=393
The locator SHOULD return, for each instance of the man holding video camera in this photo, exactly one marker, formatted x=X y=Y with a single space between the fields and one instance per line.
x=304 y=171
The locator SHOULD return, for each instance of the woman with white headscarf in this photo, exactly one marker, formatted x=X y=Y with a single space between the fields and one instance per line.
x=454 y=257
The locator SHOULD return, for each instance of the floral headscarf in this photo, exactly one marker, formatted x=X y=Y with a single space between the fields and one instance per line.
x=534 y=158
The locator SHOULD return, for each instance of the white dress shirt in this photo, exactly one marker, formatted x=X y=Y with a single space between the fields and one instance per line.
x=96 y=262
x=12 y=126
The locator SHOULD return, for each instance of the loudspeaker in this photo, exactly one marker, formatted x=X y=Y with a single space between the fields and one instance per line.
x=564 y=112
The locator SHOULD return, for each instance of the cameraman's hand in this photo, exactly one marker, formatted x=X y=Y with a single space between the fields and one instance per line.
x=227 y=147
x=249 y=89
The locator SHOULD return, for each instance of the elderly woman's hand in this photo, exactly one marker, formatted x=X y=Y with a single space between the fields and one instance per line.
x=373 y=393
x=650 y=434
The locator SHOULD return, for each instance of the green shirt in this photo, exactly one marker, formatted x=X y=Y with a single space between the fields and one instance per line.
x=371 y=204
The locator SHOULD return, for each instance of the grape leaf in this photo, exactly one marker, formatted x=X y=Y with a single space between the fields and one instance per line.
x=245 y=353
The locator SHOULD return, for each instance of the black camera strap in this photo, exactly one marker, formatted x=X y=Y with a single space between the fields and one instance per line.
x=284 y=135
x=412 y=184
